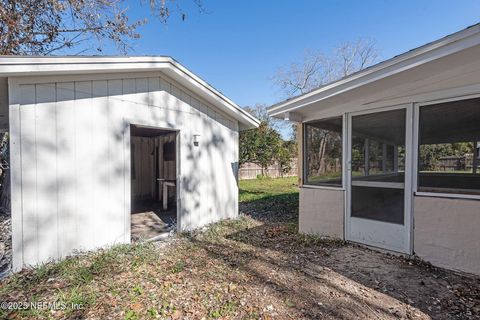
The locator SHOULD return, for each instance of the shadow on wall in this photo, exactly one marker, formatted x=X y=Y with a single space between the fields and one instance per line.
x=235 y=168
x=75 y=170
x=208 y=178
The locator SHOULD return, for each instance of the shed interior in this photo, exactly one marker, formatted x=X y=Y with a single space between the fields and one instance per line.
x=153 y=182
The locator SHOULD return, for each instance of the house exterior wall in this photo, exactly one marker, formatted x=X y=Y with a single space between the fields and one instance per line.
x=446 y=232
x=321 y=212
x=70 y=147
x=445 y=226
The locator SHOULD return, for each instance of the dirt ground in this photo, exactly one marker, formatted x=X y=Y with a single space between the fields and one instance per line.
x=255 y=267
x=332 y=280
x=149 y=225
x=150 y=221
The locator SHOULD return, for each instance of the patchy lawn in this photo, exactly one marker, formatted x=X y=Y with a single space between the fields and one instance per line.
x=254 y=267
x=270 y=200
x=266 y=188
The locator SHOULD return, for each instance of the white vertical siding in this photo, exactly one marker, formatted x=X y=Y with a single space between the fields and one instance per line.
x=66 y=158
x=28 y=169
x=102 y=166
x=71 y=187
x=46 y=170
x=84 y=138
x=16 y=174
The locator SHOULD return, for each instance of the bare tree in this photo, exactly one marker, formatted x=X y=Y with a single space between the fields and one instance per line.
x=355 y=56
x=260 y=111
x=314 y=70
x=41 y=27
x=163 y=9
x=317 y=69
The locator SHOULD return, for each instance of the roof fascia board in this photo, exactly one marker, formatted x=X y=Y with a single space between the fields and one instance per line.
x=438 y=49
x=45 y=66
x=251 y=121
x=437 y=96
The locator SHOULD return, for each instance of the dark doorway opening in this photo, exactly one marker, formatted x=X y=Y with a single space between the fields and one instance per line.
x=153 y=169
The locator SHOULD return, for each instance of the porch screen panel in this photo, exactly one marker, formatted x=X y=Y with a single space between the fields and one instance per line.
x=448 y=153
x=378 y=166
x=323 y=152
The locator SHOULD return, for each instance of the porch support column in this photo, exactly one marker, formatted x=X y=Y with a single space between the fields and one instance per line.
x=475 y=157
x=384 y=157
x=301 y=152
x=367 y=158
x=395 y=158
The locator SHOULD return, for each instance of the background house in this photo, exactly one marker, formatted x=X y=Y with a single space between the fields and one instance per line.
x=406 y=131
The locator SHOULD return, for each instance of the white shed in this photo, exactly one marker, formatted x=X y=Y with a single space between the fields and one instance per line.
x=92 y=139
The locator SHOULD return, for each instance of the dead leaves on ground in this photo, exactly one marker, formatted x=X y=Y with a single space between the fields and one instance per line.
x=240 y=269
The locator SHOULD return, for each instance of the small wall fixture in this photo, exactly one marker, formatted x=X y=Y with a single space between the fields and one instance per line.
x=195 y=139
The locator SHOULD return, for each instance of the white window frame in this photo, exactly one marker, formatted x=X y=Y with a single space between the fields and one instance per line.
x=305 y=185
x=416 y=144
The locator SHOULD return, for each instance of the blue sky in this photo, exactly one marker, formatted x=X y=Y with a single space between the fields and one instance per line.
x=237 y=46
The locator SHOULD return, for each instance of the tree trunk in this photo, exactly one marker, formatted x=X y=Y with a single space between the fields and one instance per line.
x=321 y=156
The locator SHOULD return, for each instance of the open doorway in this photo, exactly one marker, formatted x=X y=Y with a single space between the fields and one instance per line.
x=153 y=182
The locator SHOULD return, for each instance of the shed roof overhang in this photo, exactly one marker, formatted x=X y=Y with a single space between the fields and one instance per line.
x=450 y=62
x=20 y=66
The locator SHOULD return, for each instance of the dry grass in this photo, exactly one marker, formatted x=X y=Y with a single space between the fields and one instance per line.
x=253 y=267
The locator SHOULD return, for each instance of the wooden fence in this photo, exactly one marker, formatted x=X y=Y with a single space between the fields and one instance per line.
x=252 y=171
x=454 y=163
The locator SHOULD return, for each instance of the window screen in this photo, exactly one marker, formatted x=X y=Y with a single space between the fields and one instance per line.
x=448 y=155
x=323 y=152
x=378 y=166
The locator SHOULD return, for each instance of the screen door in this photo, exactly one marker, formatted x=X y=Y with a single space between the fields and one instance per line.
x=378 y=190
